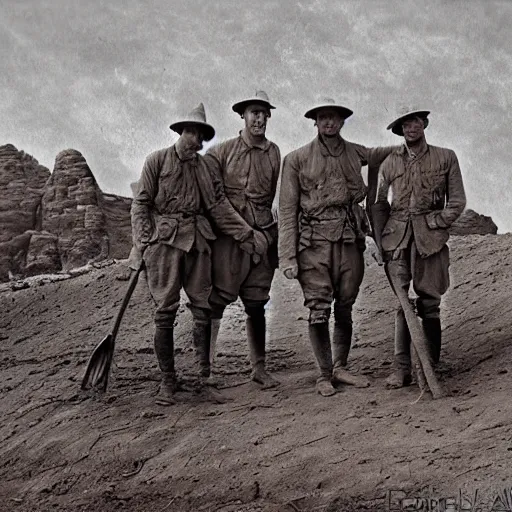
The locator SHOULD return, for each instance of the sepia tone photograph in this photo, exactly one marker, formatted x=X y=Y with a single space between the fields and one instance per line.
x=255 y=256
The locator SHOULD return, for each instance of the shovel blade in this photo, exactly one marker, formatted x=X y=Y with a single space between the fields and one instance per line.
x=98 y=367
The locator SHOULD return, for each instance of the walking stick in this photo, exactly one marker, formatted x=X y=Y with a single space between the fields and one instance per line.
x=379 y=213
x=98 y=367
x=419 y=342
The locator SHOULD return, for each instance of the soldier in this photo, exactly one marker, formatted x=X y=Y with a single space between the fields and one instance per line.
x=177 y=194
x=428 y=196
x=322 y=235
x=249 y=165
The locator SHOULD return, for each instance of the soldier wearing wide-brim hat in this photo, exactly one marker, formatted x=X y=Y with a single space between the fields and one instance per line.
x=249 y=165
x=328 y=103
x=407 y=113
x=322 y=235
x=412 y=231
x=196 y=118
x=177 y=197
x=259 y=98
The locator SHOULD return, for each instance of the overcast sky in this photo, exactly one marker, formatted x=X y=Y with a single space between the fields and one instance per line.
x=107 y=78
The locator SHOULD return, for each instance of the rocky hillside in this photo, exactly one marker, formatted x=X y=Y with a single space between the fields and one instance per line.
x=57 y=221
x=280 y=450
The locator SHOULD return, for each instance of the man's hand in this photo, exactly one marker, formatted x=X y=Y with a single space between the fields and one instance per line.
x=374 y=250
x=291 y=272
x=136 y=254
x=260 y=243
x=248 y=246
x=275 y=213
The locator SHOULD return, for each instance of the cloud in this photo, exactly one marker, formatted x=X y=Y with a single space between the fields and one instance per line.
x=109 y=78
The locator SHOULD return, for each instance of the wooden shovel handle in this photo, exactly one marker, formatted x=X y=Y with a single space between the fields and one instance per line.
x=418 y=340
x=129 y=291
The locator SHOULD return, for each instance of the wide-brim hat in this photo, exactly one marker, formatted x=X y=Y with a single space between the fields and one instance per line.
x=406 y=113
x=196 y=117
x=328 y=103
x=259 y=98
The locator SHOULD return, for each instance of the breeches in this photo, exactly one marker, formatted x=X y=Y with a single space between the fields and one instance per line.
x=169 y=270
x=430 y=277
x=330 y=271
x=236 y=275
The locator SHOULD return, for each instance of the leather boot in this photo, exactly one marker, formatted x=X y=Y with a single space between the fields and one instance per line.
x=212 y=380
x=168 y=386
x=164 y=350
x=256 y=335
x=201 y=334
x=321 y=344
x=432 y=330
x=341 y=342
x=213 y=338
x=401 y=375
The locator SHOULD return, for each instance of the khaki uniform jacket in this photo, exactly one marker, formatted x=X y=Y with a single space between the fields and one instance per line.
x=316 y=194
x=428 y=196
x=174 y=199
x=250 y=174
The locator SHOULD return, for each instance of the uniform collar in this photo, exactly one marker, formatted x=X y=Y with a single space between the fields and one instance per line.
x=415 y=156
x=338 y=151
x=264 y=145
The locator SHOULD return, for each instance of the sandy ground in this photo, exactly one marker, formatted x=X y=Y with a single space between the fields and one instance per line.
x=285 y=449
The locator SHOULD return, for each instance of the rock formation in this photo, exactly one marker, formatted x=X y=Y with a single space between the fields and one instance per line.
x=472 y=223
x=71 y=211
x=22 y=182
x=116 y=210
x=56 y=221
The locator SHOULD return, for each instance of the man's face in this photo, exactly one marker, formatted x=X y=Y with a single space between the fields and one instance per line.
x=192 y=140
x=255 y=117
x=329 y=122
x=413 y=129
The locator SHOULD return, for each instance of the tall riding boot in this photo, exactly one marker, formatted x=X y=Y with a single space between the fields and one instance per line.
x=432 y=330
x=201 y=334
x=341 y=342
x=321 y=344
x=402 y=373
x=213 y=338
x=164 y=350
x=212 y=380
x=256 y=335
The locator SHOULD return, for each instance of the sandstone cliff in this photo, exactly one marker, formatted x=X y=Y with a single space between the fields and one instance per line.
x=56 y=221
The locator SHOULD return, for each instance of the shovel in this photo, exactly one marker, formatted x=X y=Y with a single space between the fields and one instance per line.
x=98 y=367
x=419 y=343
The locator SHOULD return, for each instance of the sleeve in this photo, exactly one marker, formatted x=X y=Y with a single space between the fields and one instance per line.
x=225 y=217
x=276 y=166
x=272 y=234
x=373 y=157
x=289 y=196
x=379 y=208
x=147 y=188
x=455 y=198
x=383 y=184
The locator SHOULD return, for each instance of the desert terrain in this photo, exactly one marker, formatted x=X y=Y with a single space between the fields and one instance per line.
x=280 y=450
